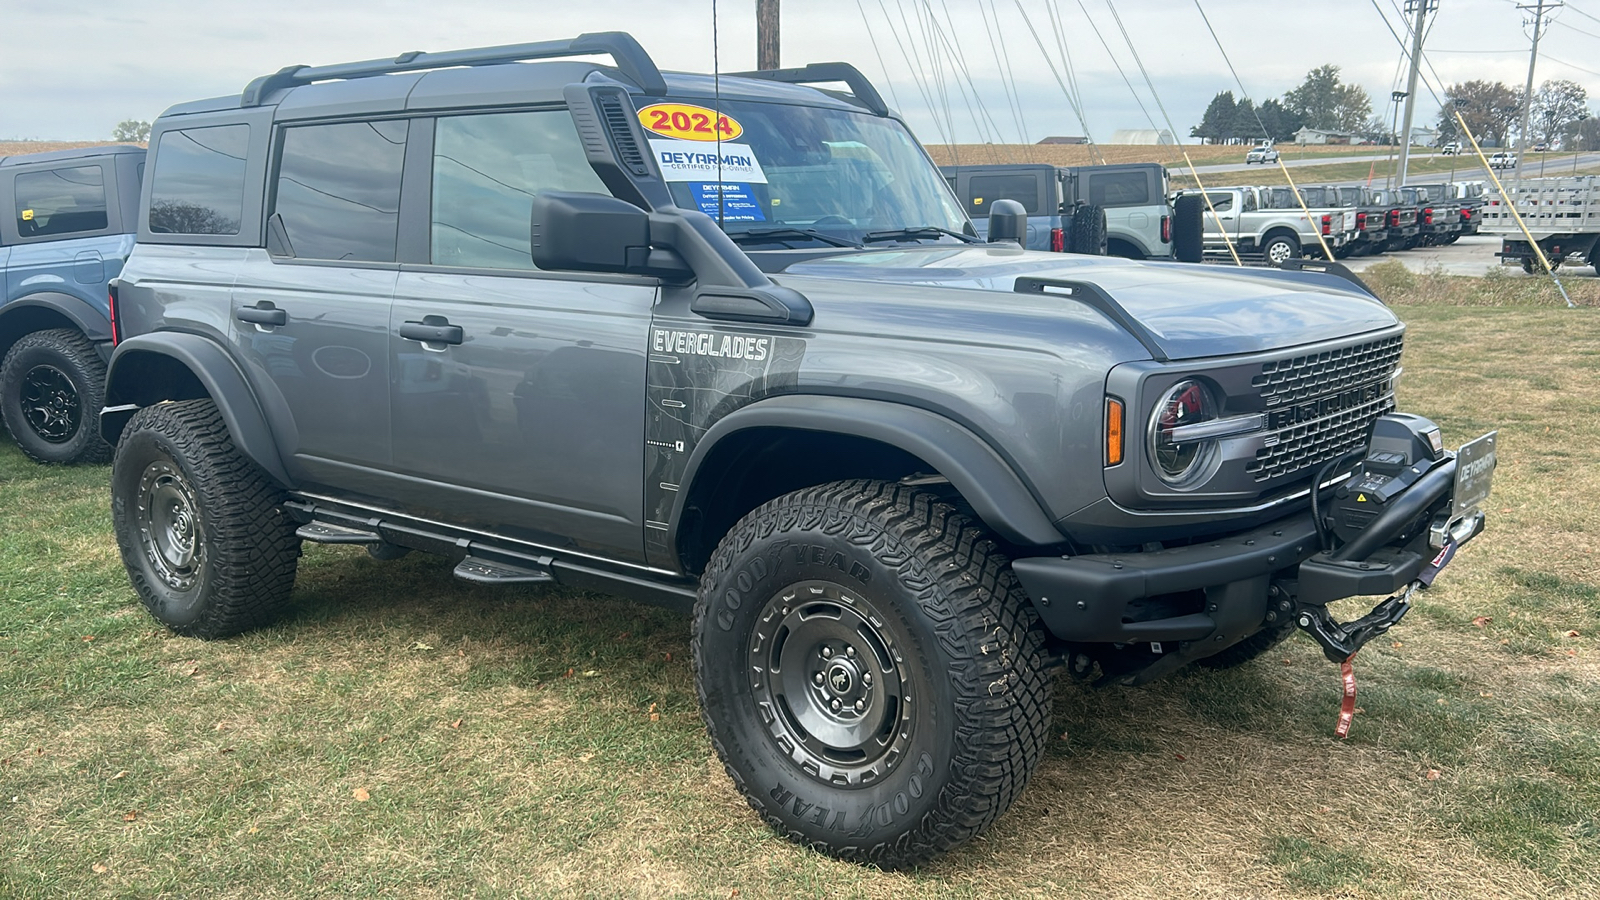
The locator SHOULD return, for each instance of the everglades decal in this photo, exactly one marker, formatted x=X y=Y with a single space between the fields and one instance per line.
x=702 y=343
x=695 y=377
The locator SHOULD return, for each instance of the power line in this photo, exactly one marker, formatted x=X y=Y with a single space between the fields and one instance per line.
x=1077 y=110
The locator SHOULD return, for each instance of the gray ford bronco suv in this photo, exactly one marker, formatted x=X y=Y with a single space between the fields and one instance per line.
x=729 y=343
x=66 y=230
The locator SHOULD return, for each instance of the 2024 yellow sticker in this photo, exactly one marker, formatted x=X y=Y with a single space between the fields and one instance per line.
x=689 y=123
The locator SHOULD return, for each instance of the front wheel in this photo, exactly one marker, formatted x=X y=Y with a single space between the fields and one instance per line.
x=870 y=671
x=52 y=386
x=203 y=535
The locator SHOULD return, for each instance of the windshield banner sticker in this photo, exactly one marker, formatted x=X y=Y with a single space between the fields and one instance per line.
x=689 y=123
x=738 y=201
x=696 y=161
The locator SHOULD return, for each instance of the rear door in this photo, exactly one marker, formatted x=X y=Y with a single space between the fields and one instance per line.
x=312 y=310
x=518 y=395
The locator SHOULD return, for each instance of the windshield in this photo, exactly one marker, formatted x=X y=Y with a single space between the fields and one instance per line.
x=799 y=168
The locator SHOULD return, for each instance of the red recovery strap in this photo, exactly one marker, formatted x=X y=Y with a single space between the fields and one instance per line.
x=1347 y=709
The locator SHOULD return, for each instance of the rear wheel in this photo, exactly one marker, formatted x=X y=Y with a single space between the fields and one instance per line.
x=52 y=386
x=1279 y=248
x=201 y=528
x=870 y=671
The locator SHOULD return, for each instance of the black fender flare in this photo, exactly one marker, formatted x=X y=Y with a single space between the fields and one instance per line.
x=218 y=375
x=983 y=478
x=1132 y=241
x=92 y=322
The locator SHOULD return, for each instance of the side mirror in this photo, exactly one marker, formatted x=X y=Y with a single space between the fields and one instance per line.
x=588 y=232
x=1008 y=221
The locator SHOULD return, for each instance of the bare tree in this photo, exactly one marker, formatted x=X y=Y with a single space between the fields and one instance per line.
x=1556 y=105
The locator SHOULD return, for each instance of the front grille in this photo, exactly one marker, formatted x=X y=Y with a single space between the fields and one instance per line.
x=1316 y=441
x=1317 y=374
x=1321 y=405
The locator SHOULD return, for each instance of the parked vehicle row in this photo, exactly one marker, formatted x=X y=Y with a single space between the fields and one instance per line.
x=1273 y=224
x=1117 y=210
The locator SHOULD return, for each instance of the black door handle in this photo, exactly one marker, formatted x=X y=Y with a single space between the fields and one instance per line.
x=263 y=313
x=432 y=330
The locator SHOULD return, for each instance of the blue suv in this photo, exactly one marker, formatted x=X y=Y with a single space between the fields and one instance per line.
x=69 y=228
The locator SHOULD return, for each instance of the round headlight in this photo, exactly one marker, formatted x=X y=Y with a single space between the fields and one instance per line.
x=1181 y=462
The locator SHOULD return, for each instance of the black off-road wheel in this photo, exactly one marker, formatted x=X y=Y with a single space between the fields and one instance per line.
x=52 y=386
x=870 y=671
x=202 y=531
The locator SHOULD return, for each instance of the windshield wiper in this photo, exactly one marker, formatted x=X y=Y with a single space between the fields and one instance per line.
x=766 y=235
x=916 y=232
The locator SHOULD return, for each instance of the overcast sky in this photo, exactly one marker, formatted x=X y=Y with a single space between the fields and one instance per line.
x=72 y=69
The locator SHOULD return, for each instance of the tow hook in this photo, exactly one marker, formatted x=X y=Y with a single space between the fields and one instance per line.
x=1341 y=640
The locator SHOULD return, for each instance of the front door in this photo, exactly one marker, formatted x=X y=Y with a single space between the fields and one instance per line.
x=517 y=395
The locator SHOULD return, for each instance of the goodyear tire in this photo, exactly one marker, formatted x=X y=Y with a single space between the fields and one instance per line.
x=202 y=531
x=870 y=671
x=52 y=386
x=1088 y=230
x=1188 y=228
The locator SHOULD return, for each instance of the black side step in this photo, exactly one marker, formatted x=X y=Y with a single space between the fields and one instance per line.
x=326 y=533
x=478 y=570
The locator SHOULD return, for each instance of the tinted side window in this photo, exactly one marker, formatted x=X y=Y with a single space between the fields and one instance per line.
x=986 y=189
x=1119 y=189
x=338 y=189
x=486 y=169
x=198 y=186
x=61 y=201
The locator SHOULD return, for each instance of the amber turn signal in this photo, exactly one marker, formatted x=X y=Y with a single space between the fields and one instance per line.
x=1113 y=431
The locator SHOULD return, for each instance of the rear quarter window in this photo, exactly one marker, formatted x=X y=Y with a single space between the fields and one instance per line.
x=1119 y=189
x=198 y=186
x=984 y=190
x=61 y=202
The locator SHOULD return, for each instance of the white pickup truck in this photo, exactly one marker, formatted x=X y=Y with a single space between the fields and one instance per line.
x=1257 y=227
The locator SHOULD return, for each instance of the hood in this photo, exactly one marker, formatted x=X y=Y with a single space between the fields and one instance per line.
x=1189 y=310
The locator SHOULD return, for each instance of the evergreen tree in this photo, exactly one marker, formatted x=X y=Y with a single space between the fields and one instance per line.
x=1217 y=122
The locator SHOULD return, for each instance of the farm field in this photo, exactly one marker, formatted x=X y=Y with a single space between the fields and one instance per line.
x=402 y=734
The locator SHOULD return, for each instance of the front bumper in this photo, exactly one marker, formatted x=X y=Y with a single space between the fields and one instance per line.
x=1221 y=591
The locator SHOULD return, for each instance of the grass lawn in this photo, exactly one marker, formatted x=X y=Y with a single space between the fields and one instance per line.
x=402 y=734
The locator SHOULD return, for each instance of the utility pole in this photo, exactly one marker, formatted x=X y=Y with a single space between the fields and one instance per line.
x=1533 y=58
x=1421 y=8
x=767 y=34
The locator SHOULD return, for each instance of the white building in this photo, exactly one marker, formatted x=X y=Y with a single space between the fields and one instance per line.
x=1141 y=136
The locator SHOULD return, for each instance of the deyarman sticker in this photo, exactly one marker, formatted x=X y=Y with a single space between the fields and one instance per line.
x=697 y=161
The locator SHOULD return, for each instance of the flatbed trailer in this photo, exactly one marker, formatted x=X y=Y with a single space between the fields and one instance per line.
x=1562 y=215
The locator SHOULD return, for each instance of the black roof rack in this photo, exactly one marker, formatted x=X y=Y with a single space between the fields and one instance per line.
x=832 y=71
x=630 y=57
